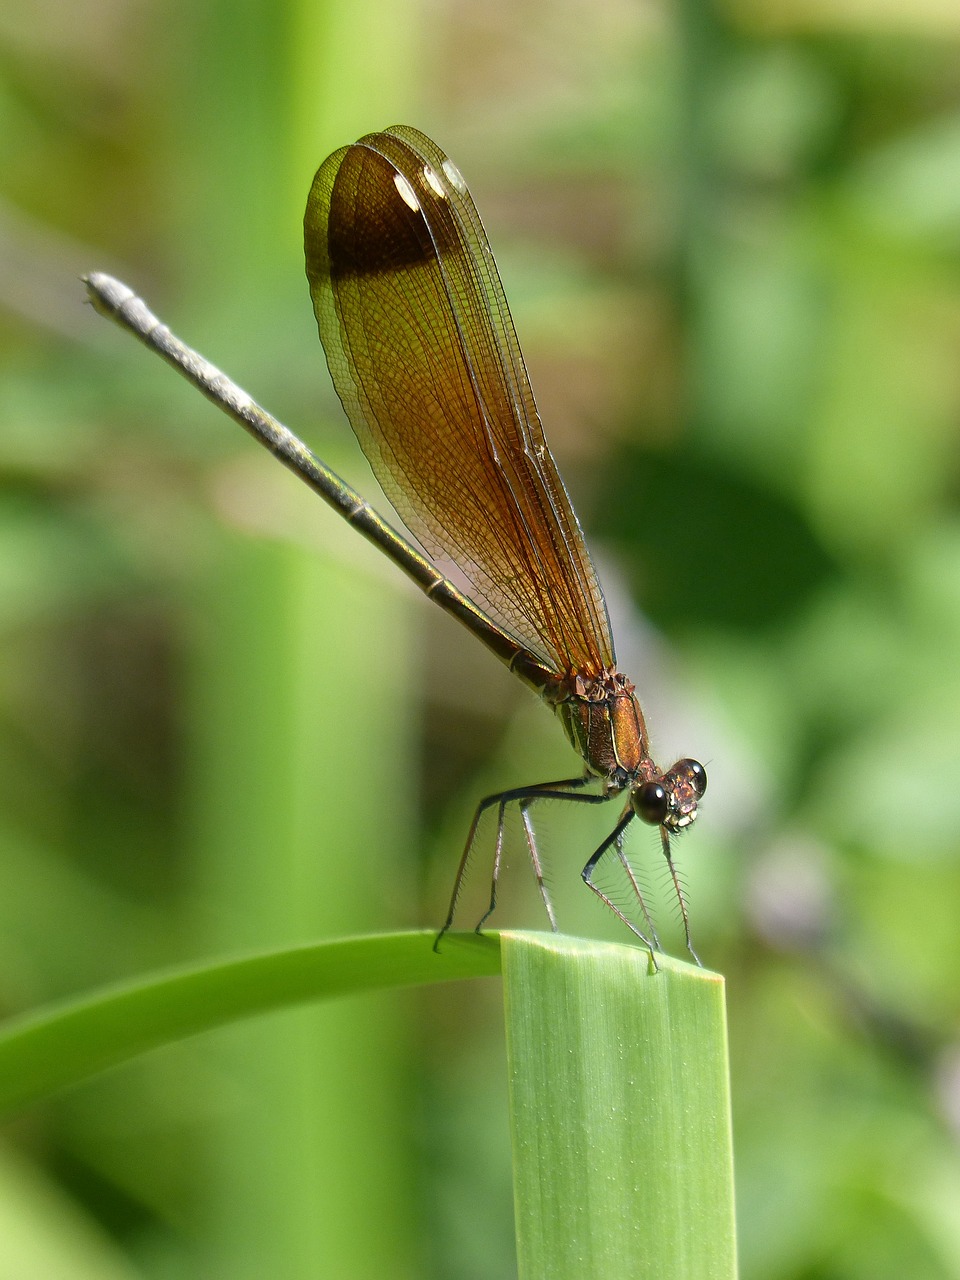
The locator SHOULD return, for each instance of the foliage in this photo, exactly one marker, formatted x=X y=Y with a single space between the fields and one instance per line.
x=730 y=237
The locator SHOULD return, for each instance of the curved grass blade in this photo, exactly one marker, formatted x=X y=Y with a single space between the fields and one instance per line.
x=49 y=1050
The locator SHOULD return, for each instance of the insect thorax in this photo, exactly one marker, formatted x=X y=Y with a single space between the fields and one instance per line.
x=603 y=721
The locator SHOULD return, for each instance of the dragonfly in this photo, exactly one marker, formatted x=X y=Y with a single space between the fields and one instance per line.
x=423 y=354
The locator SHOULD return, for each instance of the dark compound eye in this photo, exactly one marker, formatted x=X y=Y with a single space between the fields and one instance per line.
x=650 y=803
x=696 y=773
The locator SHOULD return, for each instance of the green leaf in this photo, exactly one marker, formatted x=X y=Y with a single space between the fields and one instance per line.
x=49 y=1050
x=620 y=1111
x=620 y=1103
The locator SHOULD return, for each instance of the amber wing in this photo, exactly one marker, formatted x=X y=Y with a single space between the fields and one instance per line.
x=424 y=356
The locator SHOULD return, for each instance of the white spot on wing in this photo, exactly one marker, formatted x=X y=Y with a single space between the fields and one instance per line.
x=433 y=182
x=455 y=176
x=407 y=193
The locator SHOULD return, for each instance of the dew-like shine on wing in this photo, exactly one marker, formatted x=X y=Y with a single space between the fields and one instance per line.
x=425 y=359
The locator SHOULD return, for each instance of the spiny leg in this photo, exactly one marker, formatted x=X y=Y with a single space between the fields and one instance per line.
x=535 y=859
x=678 y=889
x=482 y=807
x=525 y=797
x=497 y=859
x=636 y=889
x=540 y=791
x=587 y=873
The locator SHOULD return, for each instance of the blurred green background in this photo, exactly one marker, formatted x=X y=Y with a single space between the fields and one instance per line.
x=731 y=239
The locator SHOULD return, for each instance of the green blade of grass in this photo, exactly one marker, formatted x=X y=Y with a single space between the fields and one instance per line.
x=620 y=1112
x=50 y=1049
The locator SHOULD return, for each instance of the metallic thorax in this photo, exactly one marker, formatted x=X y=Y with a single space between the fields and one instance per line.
x=603 y=722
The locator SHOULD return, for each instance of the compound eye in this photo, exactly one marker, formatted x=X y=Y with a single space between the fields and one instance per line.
x=650 y=803
x=696 y=773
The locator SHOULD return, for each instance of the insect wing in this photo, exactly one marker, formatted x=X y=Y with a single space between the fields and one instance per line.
x=424 y=356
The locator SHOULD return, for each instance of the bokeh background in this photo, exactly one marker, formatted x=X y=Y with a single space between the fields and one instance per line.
x=730 y=234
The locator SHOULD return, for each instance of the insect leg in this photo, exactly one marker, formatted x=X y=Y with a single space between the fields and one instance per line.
x=636 y=889
x=614 y=838
x=678 y=888
x=562 y=789
x=535 y=859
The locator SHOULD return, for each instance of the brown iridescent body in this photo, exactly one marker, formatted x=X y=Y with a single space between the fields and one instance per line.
x=604 y=723
x=423 y=354
x=425 y=359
